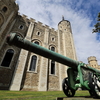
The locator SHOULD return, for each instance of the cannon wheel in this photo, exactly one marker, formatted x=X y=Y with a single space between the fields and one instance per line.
x=91 y=93
x=66 y=89
x=95 y=90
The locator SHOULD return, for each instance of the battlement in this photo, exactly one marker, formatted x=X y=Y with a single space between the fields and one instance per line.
x=53 y=30
x=24 y=16
x=92 y=58
x=11 y=3
x=40 y=23
x=16 y=5
x=46 y=26
x=37 y=22
x=32 y=20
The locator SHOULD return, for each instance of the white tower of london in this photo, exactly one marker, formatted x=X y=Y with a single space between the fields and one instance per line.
x=24 y=70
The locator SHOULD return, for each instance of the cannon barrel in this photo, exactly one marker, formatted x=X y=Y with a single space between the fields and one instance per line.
x=80 y=75
x=16 y=40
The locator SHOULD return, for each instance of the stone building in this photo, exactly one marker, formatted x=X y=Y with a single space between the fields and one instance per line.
x=93 y=62
x=23 y=70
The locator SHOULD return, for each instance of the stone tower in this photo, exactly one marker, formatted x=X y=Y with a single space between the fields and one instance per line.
x=24 y=70
x=8 y=11
x=93 y=62
x=66 y=45
x=8 y=14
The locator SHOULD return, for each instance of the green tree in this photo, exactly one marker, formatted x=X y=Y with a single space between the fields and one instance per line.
x=97 y=26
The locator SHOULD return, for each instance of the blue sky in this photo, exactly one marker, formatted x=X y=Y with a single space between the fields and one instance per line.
x=81 y=13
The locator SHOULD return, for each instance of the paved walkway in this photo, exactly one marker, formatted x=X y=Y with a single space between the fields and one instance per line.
x=76 y=98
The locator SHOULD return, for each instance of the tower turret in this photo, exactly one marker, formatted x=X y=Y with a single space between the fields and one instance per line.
x=66 y=38
x=8 y=12
x=92 y=61
x=66 y=44
x=64 y=25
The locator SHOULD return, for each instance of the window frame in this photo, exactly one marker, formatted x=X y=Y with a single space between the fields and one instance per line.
x=3 y=9
x=53 y=39
x=30 y=64
x=39 y=33
x=53 y=67
x=52 y=48
x=36 y=42
x=50 y=61
x=4 y=57
x=55 y=73
x=20 y=27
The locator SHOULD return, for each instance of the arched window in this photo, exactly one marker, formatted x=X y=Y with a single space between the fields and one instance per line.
x=21 y=27
x=36 y=42
x=52 y=67
x=33 y=63
x=53 y=39
x=4 y=9
x=52 y=48
x=38 y=33
x=7 y=58
x=52 y=63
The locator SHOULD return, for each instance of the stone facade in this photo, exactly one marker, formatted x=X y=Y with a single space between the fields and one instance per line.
x=16 y=71
x=93 y=62
x=16 y=65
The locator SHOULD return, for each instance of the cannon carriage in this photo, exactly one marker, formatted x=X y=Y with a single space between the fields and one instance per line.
x=80 y=75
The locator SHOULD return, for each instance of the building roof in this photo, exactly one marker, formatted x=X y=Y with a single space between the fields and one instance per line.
x=63 y=19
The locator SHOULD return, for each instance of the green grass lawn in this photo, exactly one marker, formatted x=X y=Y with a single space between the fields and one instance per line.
x=33 y=95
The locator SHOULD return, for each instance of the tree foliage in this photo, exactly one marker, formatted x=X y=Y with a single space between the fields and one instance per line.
x=97 y=25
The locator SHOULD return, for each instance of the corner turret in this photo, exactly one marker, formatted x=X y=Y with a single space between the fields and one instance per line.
x=92 y=61
x=64 y=25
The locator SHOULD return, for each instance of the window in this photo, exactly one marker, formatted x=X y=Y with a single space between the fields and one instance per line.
x=28 y=22
x=33 y=63
x=38 y=33
x=21 y=27
x=52 y=63
x=36 y=42
x=52 y=49
x=7 y=58
x=53 y=39
x=52 y=67
x=4 y=9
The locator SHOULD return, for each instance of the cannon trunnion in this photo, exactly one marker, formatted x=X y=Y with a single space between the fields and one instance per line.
x=79 y=74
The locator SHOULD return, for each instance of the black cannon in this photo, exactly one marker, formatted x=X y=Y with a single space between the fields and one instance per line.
x=79 y=74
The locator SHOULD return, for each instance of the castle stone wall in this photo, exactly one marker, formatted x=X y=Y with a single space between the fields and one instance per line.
x=18 y=75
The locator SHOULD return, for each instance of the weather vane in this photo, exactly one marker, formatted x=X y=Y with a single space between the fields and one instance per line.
x=63 y=17
x=97 y=26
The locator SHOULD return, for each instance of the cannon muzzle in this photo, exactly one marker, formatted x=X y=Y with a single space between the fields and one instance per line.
x=14 y=39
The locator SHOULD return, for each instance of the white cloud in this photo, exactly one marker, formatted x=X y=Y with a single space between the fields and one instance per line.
x=50 y=12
